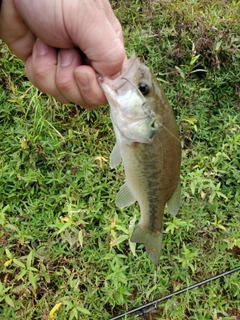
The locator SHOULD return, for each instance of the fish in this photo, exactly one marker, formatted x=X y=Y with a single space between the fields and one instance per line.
x=148 y=143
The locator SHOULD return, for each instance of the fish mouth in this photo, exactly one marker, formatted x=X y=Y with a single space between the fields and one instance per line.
x=130 y=64
x=130 y=67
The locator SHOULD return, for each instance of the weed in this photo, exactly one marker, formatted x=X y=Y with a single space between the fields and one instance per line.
x=64 y=247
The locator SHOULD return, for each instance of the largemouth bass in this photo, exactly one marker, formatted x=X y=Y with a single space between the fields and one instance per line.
x=149 y=146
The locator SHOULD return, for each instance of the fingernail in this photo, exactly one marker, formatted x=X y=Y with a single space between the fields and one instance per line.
x=42 y=47
x=83 y=81
x=66 y=57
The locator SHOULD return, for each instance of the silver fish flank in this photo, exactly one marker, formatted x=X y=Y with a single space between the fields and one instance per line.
x=149 y=146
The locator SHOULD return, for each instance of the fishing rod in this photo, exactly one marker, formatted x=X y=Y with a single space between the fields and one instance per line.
x=152 y=306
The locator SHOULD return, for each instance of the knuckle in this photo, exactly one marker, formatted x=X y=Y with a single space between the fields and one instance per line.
x=94 y=100
x=64 y=84
x=41 y=73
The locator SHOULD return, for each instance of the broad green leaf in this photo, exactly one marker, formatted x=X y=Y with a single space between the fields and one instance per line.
x=18 y=263
x=29 y=259
x=84 y=310
x=182 y=74
x=32 y=279
x=120 y=239
x=80 y=237
x=9 y=301
x=8 y=253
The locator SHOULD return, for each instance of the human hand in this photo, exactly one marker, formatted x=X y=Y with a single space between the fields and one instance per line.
x=63 y=44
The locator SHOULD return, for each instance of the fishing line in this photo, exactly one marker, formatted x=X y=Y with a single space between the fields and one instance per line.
x=136 y=88
x=144 y=101
x=152 y=306
x=170 y=132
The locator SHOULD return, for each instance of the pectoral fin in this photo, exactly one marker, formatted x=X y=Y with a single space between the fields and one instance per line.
x=115 y=157
x=124 y=197
x=173 y=204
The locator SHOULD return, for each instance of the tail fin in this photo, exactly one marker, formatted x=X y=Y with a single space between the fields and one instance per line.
x=152 y=241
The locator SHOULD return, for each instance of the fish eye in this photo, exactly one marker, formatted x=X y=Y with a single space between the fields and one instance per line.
x=144 y=88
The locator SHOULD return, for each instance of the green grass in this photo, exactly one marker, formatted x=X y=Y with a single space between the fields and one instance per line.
x=63 y=243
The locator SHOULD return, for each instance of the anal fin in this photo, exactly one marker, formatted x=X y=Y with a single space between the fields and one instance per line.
x=173 y=203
